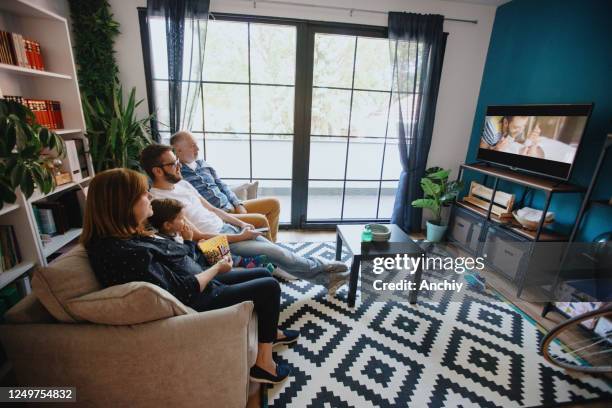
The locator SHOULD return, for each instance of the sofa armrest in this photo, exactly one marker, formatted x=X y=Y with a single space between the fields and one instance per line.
x=199 y=357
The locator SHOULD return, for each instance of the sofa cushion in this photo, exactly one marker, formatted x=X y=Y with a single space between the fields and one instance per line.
x=246 y=191
x=67 y=278
x=130 y=303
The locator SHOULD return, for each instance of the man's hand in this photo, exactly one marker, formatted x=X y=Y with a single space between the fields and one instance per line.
x=534 y=135
x=187 y=232
x=240 y=209
x=247 y=234
x=246 y=226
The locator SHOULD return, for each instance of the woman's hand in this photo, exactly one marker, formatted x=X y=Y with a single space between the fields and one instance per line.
x=187 y=232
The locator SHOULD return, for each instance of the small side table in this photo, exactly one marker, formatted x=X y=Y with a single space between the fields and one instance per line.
x=350 y=235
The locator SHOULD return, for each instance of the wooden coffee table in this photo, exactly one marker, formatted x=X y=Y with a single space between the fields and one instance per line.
x=350 y=235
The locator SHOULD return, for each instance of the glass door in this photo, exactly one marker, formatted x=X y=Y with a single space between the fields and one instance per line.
x=353 y=163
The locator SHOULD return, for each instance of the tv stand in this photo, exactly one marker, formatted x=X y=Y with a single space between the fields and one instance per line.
x=482 y=233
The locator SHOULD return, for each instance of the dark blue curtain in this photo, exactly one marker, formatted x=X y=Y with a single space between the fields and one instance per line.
x=185 y=22
x=417 y=47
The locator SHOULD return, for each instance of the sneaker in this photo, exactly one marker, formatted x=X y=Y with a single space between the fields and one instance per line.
x=290 y=337
x=336 y=280
x=259 y=375
x=279 y=273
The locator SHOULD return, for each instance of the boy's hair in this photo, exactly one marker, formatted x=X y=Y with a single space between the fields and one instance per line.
x=164 y=210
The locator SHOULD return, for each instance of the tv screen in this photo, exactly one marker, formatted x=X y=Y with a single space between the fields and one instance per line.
x=542 y=139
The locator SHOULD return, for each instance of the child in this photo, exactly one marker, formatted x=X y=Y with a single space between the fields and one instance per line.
x=169 y=220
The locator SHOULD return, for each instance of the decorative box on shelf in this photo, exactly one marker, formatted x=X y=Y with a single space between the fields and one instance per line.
x=62 y=178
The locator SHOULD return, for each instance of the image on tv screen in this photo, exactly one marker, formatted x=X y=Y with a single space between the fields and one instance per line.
x=554 y=138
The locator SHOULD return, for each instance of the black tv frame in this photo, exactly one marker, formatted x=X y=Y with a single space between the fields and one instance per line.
x=530 y=164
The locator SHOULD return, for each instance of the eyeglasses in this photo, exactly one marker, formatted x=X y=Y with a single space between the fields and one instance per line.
x=176 y=163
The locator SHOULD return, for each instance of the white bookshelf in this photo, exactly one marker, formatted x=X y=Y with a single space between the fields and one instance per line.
x=57 y=82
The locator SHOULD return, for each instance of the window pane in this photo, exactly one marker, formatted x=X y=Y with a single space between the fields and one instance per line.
x=162 y=104
x=373 y=66
x=226 y=108
x=228 y=154
x=324 y=199
x=272 y=109
x=280 y=189
x=273 y=54
x=387 y=199
x=392 y=166
x=272 y=156
x=327 y=157
x=364 y=159
x=159 y=53
x=360 y=199
x=330 y=112
x=226 y=52
x=369 y=117
x=333 y=60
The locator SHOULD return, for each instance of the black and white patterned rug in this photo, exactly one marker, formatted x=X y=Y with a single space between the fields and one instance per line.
x=480 y=352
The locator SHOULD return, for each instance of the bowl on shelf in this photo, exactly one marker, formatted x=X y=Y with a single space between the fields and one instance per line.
x=528 y=224
x=380 y=233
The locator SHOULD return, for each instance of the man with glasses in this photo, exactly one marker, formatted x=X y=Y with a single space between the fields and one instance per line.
x=261 y=212
x=163 y=168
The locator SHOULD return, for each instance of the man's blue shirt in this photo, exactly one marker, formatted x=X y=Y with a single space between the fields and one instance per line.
x=204 y=178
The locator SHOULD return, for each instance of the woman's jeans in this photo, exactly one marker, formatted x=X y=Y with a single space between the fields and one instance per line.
x=302 y=268
x=239 y=285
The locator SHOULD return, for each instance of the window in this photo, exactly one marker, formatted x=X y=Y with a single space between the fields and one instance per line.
x=354 y=160
x=272 y=87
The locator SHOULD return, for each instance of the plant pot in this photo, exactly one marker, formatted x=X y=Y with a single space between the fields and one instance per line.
x=435 y=232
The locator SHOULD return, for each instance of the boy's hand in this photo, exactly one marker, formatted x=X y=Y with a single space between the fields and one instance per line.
x=225 y=264
x=187 y=232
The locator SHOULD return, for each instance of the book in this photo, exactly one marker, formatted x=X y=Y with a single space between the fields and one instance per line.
x=48 y=113
x=10 y=254
x=215 y=248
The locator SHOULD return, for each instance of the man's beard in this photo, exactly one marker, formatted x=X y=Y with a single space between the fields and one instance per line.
x=172 y=178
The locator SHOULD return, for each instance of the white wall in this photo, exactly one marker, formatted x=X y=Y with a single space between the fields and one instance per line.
x=466 y=50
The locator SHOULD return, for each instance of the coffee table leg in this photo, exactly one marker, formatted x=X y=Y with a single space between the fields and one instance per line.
x=352 y=293
x=418 y=274
x=338 y=247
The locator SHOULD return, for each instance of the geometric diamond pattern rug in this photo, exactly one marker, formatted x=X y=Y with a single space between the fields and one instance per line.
x=479 y=352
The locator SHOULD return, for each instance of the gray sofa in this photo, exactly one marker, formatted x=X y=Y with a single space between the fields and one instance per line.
x=129 y=345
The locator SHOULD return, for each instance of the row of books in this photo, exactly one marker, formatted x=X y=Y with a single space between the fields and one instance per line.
x=17 y=50
x=57 y=216
x=10 y=255
x=48 y=113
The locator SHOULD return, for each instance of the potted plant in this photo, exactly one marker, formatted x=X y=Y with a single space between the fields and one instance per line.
x=22 y=142
x=438 y=192
x=116 y=136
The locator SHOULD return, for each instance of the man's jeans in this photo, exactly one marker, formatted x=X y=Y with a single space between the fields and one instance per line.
x=302 y=268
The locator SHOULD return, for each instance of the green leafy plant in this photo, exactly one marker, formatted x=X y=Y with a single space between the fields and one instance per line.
x=438 y=192
x=94 y=32
x=116 y=137
x=22 y=142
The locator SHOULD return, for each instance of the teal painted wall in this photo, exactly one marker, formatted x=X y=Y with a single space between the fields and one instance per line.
x=555 y=51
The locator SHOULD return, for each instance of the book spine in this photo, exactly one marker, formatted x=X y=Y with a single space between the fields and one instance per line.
x=57 y=108
x=39 y=58
x=28 y=51
x=3 y=56
x=24 y=57
x=13 y=51
x=47 y=222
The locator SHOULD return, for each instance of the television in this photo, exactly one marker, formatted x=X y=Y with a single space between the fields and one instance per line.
x=540 y=139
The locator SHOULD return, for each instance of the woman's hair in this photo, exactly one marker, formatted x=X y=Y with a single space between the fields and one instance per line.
x=110 y=205
x=164 y=210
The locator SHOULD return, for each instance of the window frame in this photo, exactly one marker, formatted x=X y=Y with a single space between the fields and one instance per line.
x=306 y=31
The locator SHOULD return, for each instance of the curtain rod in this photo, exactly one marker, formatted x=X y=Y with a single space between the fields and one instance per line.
x=350 y=10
